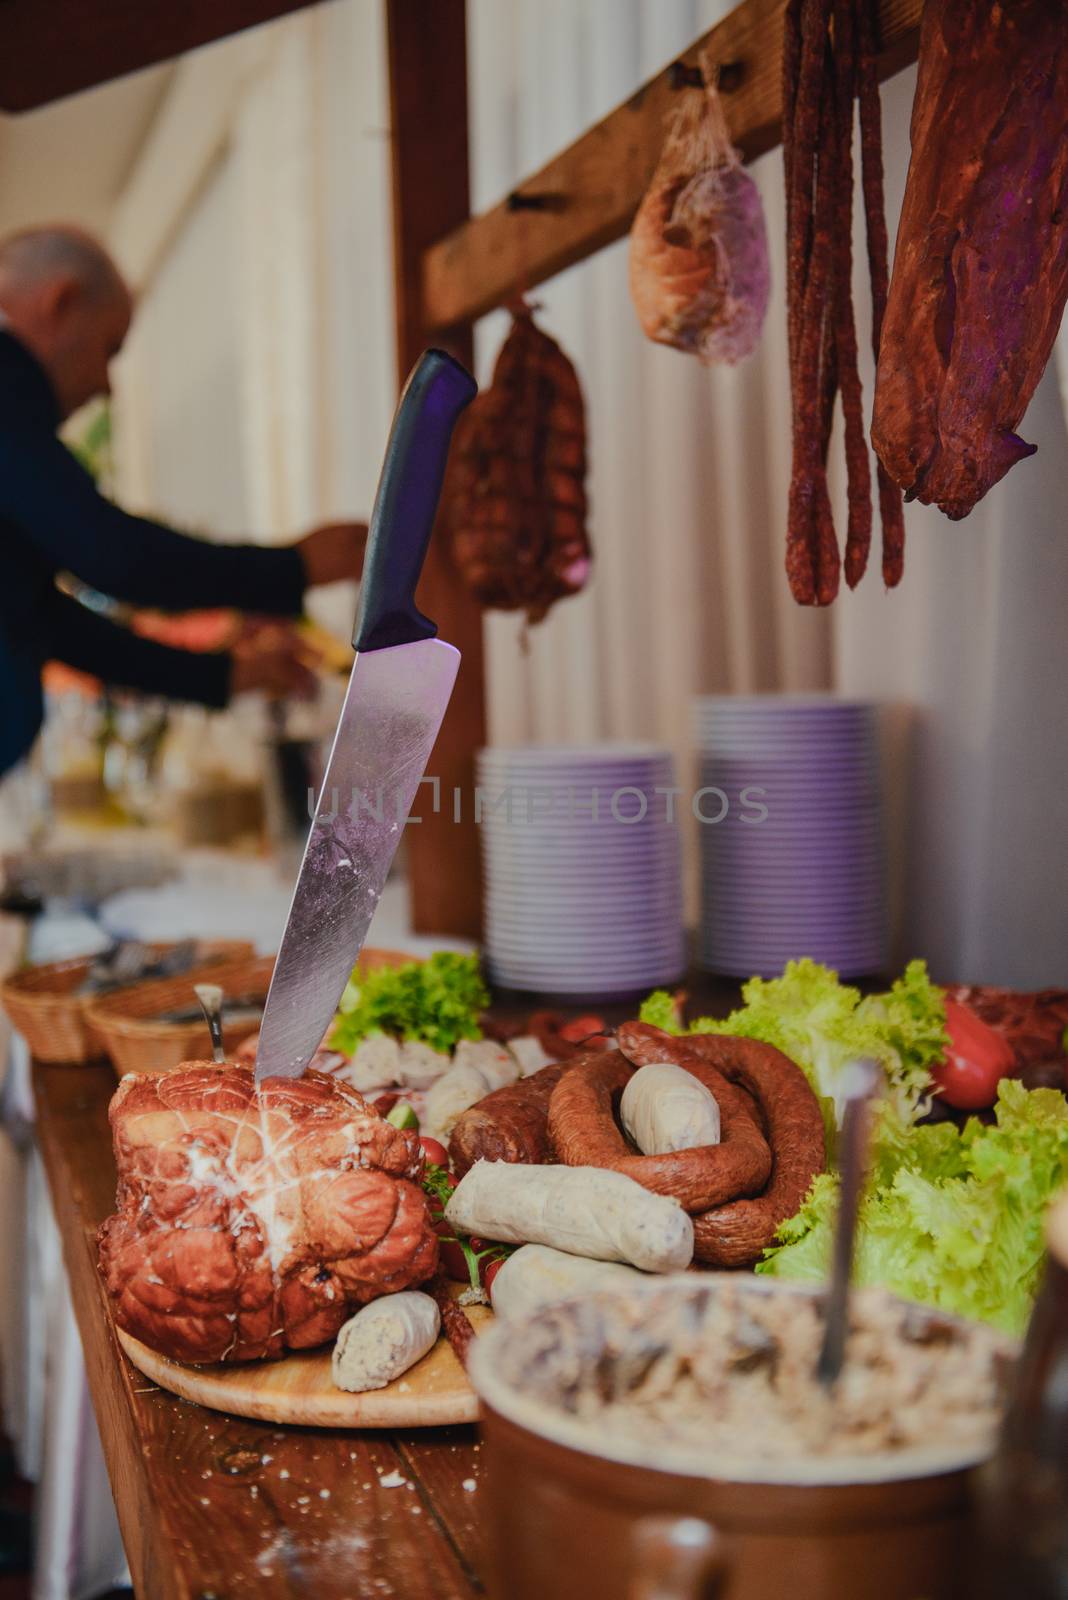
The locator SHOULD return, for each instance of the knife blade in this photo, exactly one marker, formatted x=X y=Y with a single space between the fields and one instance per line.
x=398 y=692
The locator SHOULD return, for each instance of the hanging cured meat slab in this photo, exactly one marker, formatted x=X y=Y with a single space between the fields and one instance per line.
x=299 y=1389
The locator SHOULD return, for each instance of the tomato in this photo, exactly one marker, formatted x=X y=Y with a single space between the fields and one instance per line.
x=580 y=1028
x=977 y=1059
x=434 y=1151
x=454 y=1260
x=491 y=1270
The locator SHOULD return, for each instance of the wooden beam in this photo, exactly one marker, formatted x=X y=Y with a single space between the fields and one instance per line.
x=52 y=48
x=427 y=59
x=594 y=187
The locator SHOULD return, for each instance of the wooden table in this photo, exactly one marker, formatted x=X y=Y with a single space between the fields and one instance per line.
x=216 y=1508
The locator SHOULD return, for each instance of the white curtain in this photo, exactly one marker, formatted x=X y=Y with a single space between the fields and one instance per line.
x=687 y=592
x=973 y=647
x=685 y=517
x=688 y=482
x=269 y=330
x=689 y=469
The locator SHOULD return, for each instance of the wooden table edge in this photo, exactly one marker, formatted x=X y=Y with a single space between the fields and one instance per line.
x=150 y=1540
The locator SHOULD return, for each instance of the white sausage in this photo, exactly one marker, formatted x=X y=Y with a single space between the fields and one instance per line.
x=383 y=1340
x=665 y=1108
x=537 y=1276
x=587 y=1211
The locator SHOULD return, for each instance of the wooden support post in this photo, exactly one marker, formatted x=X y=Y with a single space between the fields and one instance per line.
x=427 y=55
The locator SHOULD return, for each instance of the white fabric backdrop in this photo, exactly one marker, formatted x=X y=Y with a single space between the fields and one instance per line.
x=975 y=643
x=689 y=469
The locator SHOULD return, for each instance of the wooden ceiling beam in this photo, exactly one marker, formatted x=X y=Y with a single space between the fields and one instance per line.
x=52 y=48
x=586 y=197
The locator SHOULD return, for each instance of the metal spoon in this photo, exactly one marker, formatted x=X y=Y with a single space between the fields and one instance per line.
x=210 y=996
x=862 y=1079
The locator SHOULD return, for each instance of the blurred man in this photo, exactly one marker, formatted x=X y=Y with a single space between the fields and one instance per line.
x=64 y=313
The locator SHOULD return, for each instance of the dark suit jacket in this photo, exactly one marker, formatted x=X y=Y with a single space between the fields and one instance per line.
x=52 y=519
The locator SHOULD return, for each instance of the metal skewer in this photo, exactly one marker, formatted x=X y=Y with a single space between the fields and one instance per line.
x=210 y=996
x=864 y=1078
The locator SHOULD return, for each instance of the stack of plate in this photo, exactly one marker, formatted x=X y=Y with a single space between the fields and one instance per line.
x=583 y=889
x=790 y=832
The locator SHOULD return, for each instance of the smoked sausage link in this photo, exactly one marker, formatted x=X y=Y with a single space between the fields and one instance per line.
x=584 y=1133
x=736 y=1234
x=511 y=1124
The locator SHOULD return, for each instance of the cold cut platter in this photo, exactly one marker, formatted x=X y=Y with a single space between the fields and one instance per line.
x=323 y=1251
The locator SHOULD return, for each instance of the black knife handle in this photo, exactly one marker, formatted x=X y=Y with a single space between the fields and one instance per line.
x=406 y=504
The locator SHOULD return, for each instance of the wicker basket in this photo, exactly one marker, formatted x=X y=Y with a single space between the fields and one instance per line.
x=137 y=1041
x=54 y=1021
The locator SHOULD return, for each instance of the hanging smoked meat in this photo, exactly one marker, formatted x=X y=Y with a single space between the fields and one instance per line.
x=515 y=495
x=829 y=63
x=699 y=274
x=981 y=265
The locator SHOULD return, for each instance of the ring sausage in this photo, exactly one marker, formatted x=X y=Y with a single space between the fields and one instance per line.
x=736 y=1234
x=584 y=1133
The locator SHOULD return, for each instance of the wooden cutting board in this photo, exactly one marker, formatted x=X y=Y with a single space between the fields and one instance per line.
x=299 y=1388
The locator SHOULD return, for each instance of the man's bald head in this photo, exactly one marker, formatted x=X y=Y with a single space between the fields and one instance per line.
x=40 y=255
x=64 y=297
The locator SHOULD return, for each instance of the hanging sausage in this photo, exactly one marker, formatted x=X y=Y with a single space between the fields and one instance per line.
x=515 y=496
x=829 y=62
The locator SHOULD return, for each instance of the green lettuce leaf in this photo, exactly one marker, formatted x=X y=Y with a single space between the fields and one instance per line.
x=823 y=1025
x=953 y=1218
x=437 y=1002
x=911 y=1020
x=661 y=1010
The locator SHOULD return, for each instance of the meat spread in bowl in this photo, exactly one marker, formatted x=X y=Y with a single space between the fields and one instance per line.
x=716 y=1377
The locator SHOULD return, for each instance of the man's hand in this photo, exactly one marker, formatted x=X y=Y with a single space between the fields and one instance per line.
x=333 y=552
x=274 y=659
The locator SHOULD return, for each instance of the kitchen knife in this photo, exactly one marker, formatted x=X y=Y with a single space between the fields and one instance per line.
x=400 y=686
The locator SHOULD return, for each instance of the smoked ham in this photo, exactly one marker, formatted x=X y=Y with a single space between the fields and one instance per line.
x=699 y=275
x=981 y=265
x=248 y=1223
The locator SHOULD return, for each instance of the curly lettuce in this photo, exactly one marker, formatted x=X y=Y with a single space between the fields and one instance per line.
x=824 y=1024
x=662 y=1011
x=951 y=1217
x=436 y=1002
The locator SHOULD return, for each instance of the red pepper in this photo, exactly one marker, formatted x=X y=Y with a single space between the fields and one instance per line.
x=976 y=1059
